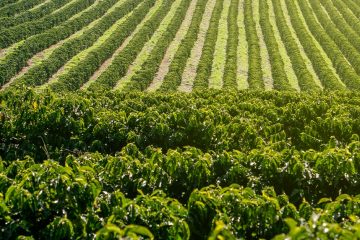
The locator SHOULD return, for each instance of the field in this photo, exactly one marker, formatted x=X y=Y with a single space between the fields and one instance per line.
x=180 y=45
x=180 y=119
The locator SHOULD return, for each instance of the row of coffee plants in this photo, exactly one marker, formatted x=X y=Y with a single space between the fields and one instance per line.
x=305 y=79
x=6 y=2
x=142 y=78
x=350 y=11
x=80 y=73
x=277 y=65
x=354 y=7
x=350 y=53
x=205 y=119
x=327 y=77
x=121 y=62
x=347 y=29
x=32 y=14
x=203 y=71
x=230 y=71
x=15 y=8
x=184 y=194
x=173 y=78
x=42 y=72
x=329 y=38
x=14 y=34
x=14 y=61
x=255 y=76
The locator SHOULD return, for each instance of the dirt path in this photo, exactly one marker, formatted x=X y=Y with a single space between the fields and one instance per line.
x=2 y=52
x=265 y=60
x=243 y=62
x=171 y=51
x=193 y=61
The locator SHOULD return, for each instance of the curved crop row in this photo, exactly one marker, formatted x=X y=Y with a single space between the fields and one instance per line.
x=96 y=81
x=346 y=8
x=352 y=36
x=31 y=15
x=288 y=67
x=255 y=73
x=84 y=69
x=173 y=78
x=326 y=76
x=356 y=2
x=329 y=39
x=342 y=40
x=277 y=66
x=13 y=62
x=305 y=78
x=354 y=6
x=142 y=78
x=17 y=7
x=230 y=70
x=127 y=52
x=203 y=71
x=147 y=50
x=14 y=34
x=141 y=55
x=42 y=72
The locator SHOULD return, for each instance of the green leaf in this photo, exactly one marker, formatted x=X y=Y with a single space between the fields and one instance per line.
x=138 y=230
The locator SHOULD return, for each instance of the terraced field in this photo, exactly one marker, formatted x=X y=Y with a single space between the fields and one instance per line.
x=180 y=45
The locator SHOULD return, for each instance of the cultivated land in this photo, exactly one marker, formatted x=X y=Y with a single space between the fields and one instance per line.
x=180 y=45
x=179 y=119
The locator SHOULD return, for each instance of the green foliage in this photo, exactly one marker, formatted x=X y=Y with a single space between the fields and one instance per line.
x=211 y=165
x=255 y=78
x=17 y=7
x=14 y=34
x=230 y=70
x=343 y=18
x=32 y=14
x=5 y=2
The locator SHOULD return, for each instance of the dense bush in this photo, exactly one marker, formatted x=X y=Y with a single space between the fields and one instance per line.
x=179 y=166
